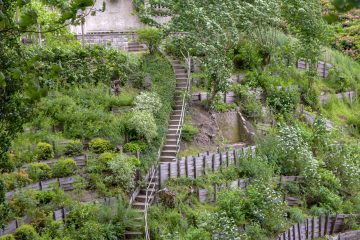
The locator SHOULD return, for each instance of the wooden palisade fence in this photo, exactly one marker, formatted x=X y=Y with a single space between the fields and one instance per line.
x=316 y=227
x=193 y=167
x=351 y=235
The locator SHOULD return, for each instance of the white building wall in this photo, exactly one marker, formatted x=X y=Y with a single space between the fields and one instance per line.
x=119 y=16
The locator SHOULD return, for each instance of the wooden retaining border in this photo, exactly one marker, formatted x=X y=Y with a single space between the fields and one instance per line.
x=58 y=215
x=66 y=183
x=322 y=67
x=350 y=96
x=193 y=167
x=351 y=235
x=315 y=227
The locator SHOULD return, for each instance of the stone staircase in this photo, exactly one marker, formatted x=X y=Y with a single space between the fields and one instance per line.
x=170 y=148
x=136 y=47
x=139 y=204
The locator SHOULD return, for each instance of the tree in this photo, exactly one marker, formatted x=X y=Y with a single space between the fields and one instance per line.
x=346 y=5
x=18 y=91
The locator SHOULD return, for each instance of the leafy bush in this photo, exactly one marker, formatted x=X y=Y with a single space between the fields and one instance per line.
x=106 y=157
x=45 y=197
x=134 y=161
x=296 y=215
x=283 y=101
x=144 y=124
x=246 y=56
x=39 y=171
x=15 y=179
x=134 y=147
x=189 y=132
x=44 y=151
x=74 y=148
x=122 y=173
x=219 y=225
x=224 y=107
x=100 y=145
x=248 y=102
x=64 y=168
x=151 y=36
x=26 y=232
x=2 y=191
x=148 y=102
x=7 y=237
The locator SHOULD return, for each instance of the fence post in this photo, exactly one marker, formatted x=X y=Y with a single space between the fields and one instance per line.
x=160 y=176
x=326 y=224
x=213 y=162
x=194 y=162
x=227 y=159
x=313 y=228
x=333 y=226
x=235 y=162
x=178 y=168
x=299 y=230
x=186 y=167
x=204 y=165
x=169 y=170
x=221 y=161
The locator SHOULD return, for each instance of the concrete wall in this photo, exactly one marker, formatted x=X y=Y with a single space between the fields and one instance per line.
x=118 y=17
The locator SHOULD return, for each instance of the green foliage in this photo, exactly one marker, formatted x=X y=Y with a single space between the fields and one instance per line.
x=26 y=232
x=134 y=147
x=15 y=179
x=144 y=124
x=39 y=171
x=7 y=237
x=106 y=157
x=151 y=36
x=189 y=132
x=283 y=101
x=296 y=215
x=99 y=145
x=74 y=148
x=45 y=197
x=149 y=102
x=122 y=173
x=246 y=56
x=64 y=168
x=248 y=101
x=44 y=151
x=2 y=191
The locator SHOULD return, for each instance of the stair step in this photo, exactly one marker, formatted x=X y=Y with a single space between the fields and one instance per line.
x=175 y=117
x=170 y=153
x=167 y=159
x=170 y=147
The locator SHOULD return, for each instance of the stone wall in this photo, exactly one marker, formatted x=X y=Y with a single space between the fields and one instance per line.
x=118 y=17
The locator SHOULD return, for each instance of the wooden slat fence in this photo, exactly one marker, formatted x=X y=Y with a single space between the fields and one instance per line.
x=65 y=183
x=229 y=97
x=315 y=227
x=58 y=215
x=351 y=235
x=323 y=68
x=193 y=167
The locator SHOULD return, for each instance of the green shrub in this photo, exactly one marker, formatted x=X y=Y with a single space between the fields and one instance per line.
x=45 y=197
x=143 y=122
x=99 y=145
x=134 y=147
x=248 y=102
x=247 y=57
x=296 y=215
x=189 y=132
x=134 y=161
x=151 y=36
x=64 y=168
x=224 y=107
x=74 y=148
x=7 y=237
x=147 y=101
x=26 y=232
x=283 y=101
x=39 y=171
x=106 y=157
x=15 y=179
x=44 y=151
x=122 y=173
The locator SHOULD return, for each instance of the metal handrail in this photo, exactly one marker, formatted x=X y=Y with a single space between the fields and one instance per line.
x=182 y=117
x=148 y=200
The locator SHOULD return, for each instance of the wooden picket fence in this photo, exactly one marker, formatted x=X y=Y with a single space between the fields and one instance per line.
x=58 y=215
x=316 y=227
x=229 y=97
x=193 y=167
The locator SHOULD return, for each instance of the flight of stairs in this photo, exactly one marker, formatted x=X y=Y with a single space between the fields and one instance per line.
x=136 y=47
x=137 y=232
x=169 y=151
